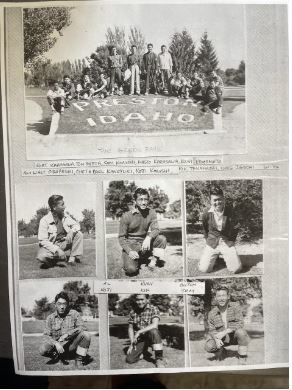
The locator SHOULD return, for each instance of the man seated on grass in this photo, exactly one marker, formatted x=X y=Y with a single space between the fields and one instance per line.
x=220 y=231
x=197 y=85
x=139 y=236
x=178 y=85
x=56 y=97
x=213 y=98
x=100 y=87
x=143 y=331
x=226 y=327
x=65 y=335
x=85 y=88
x=218 y=80
x=69 y=89
x=59 y=235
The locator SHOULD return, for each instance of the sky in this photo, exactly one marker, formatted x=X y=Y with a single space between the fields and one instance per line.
x=224 y=24
x=172 y=187
x=32 y=197
x=32 y=290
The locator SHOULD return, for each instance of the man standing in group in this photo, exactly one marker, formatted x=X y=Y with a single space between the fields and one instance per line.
x=165 y=68
x=134 y=64
x=115 y=63
x=220 y=231
x=139 y=236
x=150 y=65
x=56 y=97
x=59 y=233
x=65 y=334
x=226 y=327
x=143 y=331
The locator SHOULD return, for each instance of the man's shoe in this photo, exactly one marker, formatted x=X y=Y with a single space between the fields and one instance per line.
x=160 y=363
x=77 y=259
x=242 y=360
x=45 y=265
x=55 y=357
x=221 y=354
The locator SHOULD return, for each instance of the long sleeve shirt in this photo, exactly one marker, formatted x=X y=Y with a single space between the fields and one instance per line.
x=57 y=326
x=115 y=61
x=48 y=230
x=165 y=61
x=234 y=318
x=150 y=61
x=133 y=59
x=134 y=224
x=142 y=318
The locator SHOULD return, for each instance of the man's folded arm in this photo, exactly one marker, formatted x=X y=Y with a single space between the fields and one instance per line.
x=123 y=232
x=154 y=227
x=43 y=237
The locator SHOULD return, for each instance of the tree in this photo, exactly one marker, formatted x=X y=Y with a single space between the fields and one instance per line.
x=245 y=196
x=118 y=197
x=136 y=37
x=35 y=221
x=161 y=301
x=182 y=49
x=174 y=210
x=39 y=27
x=158 y=199
x=88 y=221
x=100 y=63
x=80 y=296
x=206 y=56
x=22 y=228
x=117 y=37
x=240 y=74
x=42 y=308
x=113 y=299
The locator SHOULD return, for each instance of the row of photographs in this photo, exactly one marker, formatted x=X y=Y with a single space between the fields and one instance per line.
x=65 y=324
x=158 y=228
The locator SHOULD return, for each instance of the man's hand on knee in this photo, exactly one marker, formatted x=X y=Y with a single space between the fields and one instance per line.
x=60 y=254
x=133 y=255
x=146 y=244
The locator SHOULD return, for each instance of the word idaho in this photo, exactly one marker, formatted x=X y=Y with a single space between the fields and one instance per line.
x=109 y=118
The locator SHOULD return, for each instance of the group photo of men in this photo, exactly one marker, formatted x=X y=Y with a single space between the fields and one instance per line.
x=226 y=324
x=122 y=77
x=146 y=331
x=60 y=325
x=56 y=232
x=143 y=228
x=224 y=227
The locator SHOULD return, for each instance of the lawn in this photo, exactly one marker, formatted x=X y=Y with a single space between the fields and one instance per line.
x=29 y=267
x=251 y=255
x=119 y=342
x=256 y=349
x=35 y=362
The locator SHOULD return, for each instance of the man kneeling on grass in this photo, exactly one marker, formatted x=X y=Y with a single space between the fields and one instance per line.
x=139 y=236
x=65 y=334
x=59 y=236
x=213 y=98
x=226 y=327
x=143 y=331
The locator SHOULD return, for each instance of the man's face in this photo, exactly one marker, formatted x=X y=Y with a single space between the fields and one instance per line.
x=56 y=86
x=114 y=51
x=86 y=78
x=60 y=208
x=222 y=298
x=196 y=74
x=61 y=306
x=212 y=84
x=67 y=80
x=163 y=49
x=217 y=202
x=179 y=75
x=134 y=49
x=142 y=201
x=150 y=48
x=141 y=301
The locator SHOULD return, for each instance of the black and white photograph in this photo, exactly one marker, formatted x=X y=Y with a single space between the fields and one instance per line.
x=56 y=230
x=226 y=325
x=146 y=331
x=60 y=325
x=143 y=228
x=224 y=226
x=145 y=71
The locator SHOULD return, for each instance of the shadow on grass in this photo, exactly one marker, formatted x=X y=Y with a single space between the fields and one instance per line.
x=173 y=334
x=173 y=235
x=41 y=128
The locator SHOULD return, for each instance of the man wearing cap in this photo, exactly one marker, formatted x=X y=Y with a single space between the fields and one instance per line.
x=226 y=327
x=65 y=334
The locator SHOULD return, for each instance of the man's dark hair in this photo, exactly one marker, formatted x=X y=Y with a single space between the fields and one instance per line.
x=52 y=82
x=62 y=295
x=141 y=191
x=53 y=200
x=150 y=44
x=145 y=295
x=163 y=46
x=221 y=288
x=134 y=46
x=216 y=190
x=66 y=75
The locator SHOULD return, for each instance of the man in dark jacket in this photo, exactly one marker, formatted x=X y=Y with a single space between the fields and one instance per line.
x=213 y=97
x=220 y=231
x=150 y=67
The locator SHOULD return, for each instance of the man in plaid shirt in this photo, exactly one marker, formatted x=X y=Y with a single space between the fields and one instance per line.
x=226 y=327
x=143 y=331
x=65 y=334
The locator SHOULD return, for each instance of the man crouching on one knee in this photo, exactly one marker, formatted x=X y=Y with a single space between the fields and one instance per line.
x=59 y=235
x=226 y=327
x=143 y=331
x=65 y=333
x=139 y=235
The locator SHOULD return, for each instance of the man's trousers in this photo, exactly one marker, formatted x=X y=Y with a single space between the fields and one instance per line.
x=79 y=344
x=72 y=245
x=210 y=255
x=116 y=77
x=151 y=80
x=157 y=249
x=165 y=78
x=238 y=337
x=135 y=77
x=152 y=338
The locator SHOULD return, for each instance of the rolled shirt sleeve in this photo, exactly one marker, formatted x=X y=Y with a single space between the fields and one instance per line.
x=48 y=331
x=154 y=228
x=123 y=232
x=43 y=236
